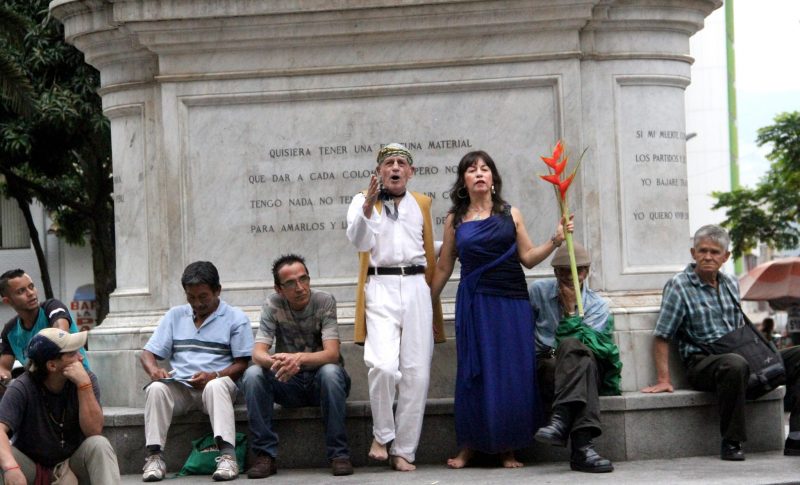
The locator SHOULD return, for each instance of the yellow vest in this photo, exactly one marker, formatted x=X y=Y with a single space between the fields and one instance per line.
x=360 y=327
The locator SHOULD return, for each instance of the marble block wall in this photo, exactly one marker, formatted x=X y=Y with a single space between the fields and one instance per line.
x=241 y=130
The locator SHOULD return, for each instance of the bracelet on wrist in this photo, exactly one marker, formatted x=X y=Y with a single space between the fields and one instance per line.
x=83 y=387
x=217 y=373
x=555 y=242
x=5 y=470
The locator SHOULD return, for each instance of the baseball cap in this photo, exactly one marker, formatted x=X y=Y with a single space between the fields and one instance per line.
x=49 y=343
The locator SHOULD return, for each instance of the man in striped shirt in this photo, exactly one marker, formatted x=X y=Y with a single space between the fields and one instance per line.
x=208 y=344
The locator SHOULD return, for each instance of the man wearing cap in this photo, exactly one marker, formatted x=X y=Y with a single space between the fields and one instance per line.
x=52 y=412
x=305 y=370
x=20 y=293
x=571 y=367
x=395 y=319
x=208 y=344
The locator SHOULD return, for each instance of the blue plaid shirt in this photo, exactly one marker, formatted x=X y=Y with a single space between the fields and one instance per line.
x=694 y=311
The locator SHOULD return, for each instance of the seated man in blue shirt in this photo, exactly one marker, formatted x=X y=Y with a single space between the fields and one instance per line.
x=700 y=305
x=208 y=344
x=569 y=372
x=19 y=292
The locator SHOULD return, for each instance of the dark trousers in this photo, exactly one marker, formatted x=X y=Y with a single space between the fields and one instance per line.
x=572 y=378
x=726 y=375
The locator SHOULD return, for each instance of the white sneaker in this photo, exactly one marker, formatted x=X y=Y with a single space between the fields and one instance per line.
x=227 y=469
x=154 y=469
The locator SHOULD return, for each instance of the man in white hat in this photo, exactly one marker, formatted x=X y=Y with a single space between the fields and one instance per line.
x=395 y=318
x=53 y=412
x=570 y=372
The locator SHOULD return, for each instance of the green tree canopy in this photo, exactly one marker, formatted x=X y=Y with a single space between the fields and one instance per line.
x=60 y=155
x=769 y=212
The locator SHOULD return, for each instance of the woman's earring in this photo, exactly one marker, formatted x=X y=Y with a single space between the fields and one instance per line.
x=493 y=192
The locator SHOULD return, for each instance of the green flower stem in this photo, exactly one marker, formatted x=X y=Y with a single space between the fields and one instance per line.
x=571 y=249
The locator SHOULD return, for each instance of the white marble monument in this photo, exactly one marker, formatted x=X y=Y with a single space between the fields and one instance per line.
x=241 y=129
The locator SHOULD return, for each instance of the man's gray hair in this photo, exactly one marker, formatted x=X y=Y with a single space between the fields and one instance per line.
x=714 y=232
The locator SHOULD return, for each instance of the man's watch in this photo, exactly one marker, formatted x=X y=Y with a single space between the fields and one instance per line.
x=556 y=244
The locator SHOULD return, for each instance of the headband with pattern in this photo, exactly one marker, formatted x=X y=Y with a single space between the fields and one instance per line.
x=394 y=149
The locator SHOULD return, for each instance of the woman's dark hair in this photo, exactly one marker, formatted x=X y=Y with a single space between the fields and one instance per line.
x=459 y=195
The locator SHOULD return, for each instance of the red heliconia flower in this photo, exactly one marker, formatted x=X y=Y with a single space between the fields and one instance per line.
x=559 y=168
x=558 y=165
x=564 y=185
x=552 y=178
x=553 y=161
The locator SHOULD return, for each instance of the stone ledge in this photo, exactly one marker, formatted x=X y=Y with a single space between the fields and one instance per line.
x=628 y=401
x=637 y=426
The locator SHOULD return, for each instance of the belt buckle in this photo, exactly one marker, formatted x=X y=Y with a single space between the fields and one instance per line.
x=403 y=270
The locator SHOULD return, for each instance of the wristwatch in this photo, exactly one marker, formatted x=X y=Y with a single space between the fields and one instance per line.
x=556 y=244
x=217 y=373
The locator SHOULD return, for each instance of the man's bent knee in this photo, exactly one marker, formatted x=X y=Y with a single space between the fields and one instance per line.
x=158 y=391
x=97 y=443
x=571 y=344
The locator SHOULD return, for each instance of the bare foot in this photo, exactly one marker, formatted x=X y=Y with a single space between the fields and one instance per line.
x=461 y=459
x=400 y=464
x=509 y=461
x=378 y=451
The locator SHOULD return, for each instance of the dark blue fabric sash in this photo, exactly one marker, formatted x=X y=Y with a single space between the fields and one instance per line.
x=469 y=365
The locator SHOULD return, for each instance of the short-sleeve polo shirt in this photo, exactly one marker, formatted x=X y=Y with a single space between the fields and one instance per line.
x=225 y=335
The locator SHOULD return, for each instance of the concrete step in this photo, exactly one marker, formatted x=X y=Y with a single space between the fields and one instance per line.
x=636 y=426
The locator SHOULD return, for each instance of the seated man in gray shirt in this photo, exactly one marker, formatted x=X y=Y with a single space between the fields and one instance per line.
x=306 y=370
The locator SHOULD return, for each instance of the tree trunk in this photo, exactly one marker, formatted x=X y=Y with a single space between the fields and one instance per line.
x=24 y=205
x=104 y=260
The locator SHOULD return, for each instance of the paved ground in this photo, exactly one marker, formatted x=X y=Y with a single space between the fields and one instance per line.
x=759 y=468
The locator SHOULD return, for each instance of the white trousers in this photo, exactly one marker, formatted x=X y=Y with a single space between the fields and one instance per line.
x=398 y=352
x=165 y=400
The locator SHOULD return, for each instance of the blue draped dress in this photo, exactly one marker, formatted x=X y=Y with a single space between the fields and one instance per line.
x=496 y=399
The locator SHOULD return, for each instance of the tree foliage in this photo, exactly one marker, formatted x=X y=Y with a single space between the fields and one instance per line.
x=15 y=89
x=60 y=155
x=769 y=212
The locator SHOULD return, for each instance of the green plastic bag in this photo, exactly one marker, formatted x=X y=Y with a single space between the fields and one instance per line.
x=203 y=458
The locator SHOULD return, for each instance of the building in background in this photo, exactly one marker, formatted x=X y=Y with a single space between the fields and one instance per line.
x=70 y=266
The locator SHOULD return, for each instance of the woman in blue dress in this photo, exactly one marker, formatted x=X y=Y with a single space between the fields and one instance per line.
x=496 y=401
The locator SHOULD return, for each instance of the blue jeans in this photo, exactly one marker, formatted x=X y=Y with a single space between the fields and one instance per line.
x=327 y=387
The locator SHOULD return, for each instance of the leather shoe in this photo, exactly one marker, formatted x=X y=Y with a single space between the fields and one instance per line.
x=263 y=467
x=792 y=447
x=586 y=459
x=555 y=433
x=731 y=450
x=341 y=466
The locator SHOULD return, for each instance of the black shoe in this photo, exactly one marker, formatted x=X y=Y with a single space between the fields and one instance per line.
x=586 y=459
x=731 y=450
x=555 y=433
x=792 y=447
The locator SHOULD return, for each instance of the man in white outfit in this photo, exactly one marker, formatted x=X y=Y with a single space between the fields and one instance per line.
x=395 y=318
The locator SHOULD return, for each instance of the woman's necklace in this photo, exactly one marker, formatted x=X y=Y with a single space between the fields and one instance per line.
x=478 y=211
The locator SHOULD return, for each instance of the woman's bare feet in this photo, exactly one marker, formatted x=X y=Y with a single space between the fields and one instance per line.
x=509 y=461
x=461 y=459
x=400 y=464
x=378 y=451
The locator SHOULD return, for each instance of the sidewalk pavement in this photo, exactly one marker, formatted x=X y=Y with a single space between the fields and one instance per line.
x=759 y=468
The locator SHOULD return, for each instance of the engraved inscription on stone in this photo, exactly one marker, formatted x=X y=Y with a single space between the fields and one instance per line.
x=276 y=178
x=652 y=162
